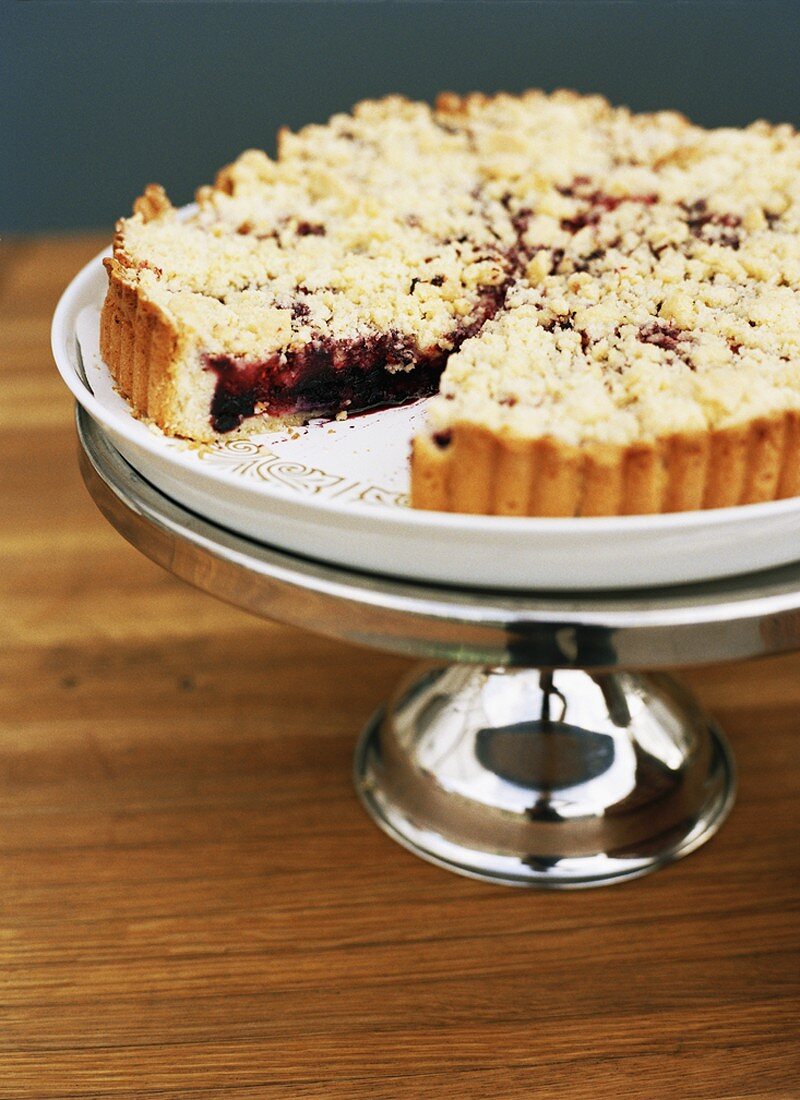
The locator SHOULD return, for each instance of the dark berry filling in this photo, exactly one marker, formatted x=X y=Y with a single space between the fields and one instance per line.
x=662 y=335
x=717 y=228
x=310 y=229
x=599 y=204
x=668 y=338
x=327 y=376
x=321 y=379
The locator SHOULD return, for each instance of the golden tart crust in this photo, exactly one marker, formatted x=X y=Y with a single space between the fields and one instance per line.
x=484 y=472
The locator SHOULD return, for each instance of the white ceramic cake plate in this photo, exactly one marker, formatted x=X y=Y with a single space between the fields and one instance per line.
x=338 y=492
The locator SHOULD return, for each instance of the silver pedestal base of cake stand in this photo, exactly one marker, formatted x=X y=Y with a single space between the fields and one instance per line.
x=533 y=758
x=555 y=779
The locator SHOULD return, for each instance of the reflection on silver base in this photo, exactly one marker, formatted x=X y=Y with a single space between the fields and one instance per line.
x=556 y=779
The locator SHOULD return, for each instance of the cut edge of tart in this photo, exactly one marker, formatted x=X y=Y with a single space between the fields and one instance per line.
x=142 y=346
x=610 y=340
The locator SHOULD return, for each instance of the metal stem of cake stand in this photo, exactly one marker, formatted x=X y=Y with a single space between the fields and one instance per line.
x=535 y=757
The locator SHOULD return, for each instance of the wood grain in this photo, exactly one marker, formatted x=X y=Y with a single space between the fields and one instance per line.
x=192 y=902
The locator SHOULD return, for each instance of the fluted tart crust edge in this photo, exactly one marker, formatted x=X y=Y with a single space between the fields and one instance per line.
x=475 y=470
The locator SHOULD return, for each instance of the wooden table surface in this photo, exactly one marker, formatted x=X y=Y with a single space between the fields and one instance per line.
x=194 y=904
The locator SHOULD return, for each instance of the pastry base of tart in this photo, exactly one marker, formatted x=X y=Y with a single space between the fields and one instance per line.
x=474 y=470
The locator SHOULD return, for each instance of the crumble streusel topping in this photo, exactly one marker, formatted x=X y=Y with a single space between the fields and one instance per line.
x=583 y=272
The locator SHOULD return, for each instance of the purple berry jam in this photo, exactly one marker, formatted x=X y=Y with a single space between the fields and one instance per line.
x=662 y=335
x=326 y=376
x=321 y=379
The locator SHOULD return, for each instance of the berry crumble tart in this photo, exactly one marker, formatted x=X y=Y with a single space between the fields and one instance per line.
x=603 y=307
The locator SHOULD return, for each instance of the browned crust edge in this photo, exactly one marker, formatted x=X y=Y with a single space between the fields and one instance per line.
x=139 y=344
x=475 y=470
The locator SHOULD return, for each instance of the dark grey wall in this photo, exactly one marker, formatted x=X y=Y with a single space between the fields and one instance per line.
x=97 y=99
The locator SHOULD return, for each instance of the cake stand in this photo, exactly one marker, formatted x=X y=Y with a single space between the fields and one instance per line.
x=533 y=752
